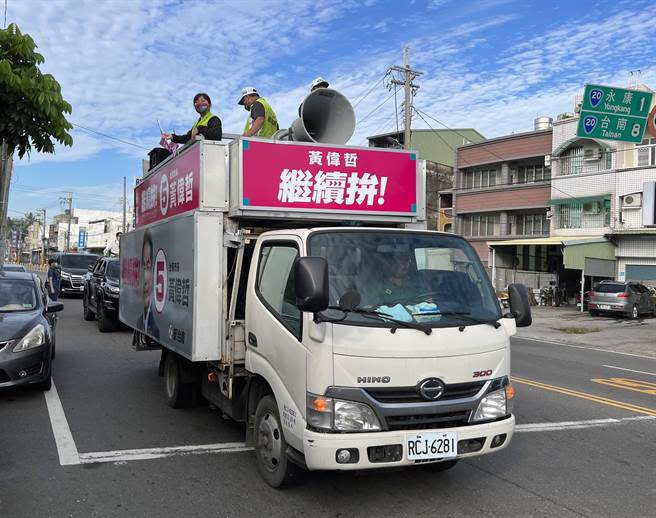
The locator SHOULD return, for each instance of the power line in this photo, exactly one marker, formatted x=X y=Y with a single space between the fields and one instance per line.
x=371 y=89
x=420 y=112
x=107 y=136
x=374 y=110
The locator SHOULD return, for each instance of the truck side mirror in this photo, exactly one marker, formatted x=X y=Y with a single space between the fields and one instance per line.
x=311 y=279
x=519 y=306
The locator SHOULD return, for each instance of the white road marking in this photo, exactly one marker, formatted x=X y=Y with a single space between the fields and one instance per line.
x=158 y=453
x=630 y=370
x=68 y=455
x=578 y=425
x=584 y=347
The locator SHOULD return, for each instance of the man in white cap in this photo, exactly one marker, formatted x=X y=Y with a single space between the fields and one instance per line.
x=319 y=82
x=262 y=121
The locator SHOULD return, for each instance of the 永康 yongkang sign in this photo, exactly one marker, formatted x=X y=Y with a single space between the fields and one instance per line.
x=279 y=175
x=611 y=113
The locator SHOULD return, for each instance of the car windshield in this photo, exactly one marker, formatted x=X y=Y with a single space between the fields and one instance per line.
x=611 y=288
x=428 y=278
x=17 y=295
x=81 y=261
x=113 y=270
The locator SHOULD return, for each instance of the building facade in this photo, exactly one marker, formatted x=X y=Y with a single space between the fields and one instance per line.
x=502 y=191
x=597 y=190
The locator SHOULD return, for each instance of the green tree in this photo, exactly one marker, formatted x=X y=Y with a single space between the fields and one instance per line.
x=31 y=109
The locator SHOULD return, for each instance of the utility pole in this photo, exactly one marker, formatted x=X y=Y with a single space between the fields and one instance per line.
x=68 y=199
x=125 y=203
x=43 y=236
x=408 y=75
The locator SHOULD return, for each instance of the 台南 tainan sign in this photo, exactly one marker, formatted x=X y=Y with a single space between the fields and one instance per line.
x=614 y=113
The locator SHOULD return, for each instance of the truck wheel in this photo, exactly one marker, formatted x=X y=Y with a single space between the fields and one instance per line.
x=105 y=322
x=86 y=311
x=437 y=467
x=178 y=394
x=270 y=445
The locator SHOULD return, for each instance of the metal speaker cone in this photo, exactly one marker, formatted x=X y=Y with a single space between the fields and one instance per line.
x=327 y=117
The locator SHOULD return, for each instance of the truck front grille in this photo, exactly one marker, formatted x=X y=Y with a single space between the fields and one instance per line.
x=412 y=395
x=427 y=421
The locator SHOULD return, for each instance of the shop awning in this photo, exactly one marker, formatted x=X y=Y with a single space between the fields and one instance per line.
x=575 y=248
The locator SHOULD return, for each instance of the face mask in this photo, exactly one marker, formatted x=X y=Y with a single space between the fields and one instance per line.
x=247 y=108
x=203 y=108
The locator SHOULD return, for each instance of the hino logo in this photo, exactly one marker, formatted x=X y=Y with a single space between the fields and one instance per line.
x=374 y=379
x=431 y=388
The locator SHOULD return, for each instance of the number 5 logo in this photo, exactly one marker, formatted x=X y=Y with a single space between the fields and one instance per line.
x=160 y=280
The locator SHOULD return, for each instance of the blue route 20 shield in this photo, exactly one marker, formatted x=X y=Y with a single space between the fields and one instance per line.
x=589 y=124
x=596 y=96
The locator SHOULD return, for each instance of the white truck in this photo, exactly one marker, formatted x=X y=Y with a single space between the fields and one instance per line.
x=295 y=287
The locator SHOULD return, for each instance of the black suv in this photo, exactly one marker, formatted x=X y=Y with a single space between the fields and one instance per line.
x=73 y=267
x=101 y=291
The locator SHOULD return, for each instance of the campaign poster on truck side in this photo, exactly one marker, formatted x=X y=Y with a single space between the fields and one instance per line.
x=316 y=177
x=157 y=282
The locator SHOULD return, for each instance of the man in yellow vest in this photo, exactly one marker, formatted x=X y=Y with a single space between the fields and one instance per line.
x=262 y=122
x=208 y=124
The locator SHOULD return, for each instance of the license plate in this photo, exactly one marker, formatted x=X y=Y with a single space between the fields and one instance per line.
x=438 y=445
x=604 y=306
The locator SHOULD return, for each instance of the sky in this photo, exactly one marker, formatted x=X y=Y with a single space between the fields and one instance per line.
x=491 y=65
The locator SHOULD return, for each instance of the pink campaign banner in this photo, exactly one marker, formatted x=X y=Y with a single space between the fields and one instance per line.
x=171 y=190
x=325 y=178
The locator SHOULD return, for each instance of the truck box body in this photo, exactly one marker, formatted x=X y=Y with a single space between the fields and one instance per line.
x=178 y=301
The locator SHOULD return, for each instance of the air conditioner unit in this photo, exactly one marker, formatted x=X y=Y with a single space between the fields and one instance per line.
x=632 y=201
x=591 y=154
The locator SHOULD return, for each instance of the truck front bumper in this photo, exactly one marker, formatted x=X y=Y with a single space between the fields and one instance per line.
x=320 y=449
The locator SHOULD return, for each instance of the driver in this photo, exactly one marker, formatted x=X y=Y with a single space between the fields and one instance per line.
x=398 y=284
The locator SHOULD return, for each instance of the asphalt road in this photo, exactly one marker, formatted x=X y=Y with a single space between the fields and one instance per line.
x=584 y=445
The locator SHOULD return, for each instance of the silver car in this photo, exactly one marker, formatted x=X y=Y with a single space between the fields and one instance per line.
x=626 y=298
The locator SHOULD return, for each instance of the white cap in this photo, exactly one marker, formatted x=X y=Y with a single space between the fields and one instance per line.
x=319 y=81
x=249 y=90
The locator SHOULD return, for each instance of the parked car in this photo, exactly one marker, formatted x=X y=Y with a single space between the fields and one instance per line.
x=10 y=267
x=27 y=331
x=628 y=298
x=73 y=267
x=101 y=293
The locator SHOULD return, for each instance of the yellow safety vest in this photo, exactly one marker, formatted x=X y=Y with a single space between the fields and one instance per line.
x=270 y=125
x=202 y=121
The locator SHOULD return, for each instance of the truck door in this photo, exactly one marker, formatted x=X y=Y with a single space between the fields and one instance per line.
x=273 y=322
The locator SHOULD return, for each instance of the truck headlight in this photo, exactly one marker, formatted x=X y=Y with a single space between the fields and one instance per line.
x=35 y=338
x=342 y=416
x=354 y=417
x=66 y=275
x=495 y=404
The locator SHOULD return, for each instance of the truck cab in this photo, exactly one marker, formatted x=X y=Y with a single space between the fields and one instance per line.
x=377 y=374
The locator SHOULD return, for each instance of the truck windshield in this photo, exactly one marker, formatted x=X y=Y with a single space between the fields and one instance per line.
x=77 y=261
x=433 y=279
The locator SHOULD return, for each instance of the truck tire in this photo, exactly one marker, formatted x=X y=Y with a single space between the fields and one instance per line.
x=86 y=311
x=105 y=322
x=178 y=394
x=270 y=445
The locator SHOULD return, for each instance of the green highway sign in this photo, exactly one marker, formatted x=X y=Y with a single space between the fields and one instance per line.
x=611 y=127
x=613 y=113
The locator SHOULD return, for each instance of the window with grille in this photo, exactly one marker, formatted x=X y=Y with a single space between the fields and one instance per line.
x=646 y=152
